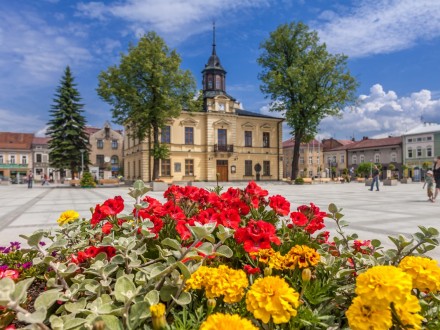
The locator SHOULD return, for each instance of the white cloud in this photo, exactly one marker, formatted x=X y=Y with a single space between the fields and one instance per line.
x=14 y=122
x=383 y=113
x=382 y=26
x=174 y=19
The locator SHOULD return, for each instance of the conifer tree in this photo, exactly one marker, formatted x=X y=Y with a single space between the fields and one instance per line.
x=66 y=127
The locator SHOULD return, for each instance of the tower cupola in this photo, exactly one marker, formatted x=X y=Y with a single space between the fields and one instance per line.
x=214 y=76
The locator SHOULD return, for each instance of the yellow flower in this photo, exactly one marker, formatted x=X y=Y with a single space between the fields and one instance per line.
x=68 y=217
x=158 y=318
x=301 y=256
x=381 y=285
x=408 y=312
x=425 y=272
x=220 y=321
x=361 y=316
x=263 y=255
x=271 y=297
x=221 y=281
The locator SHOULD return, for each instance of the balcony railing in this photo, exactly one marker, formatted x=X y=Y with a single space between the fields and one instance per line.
x=224 y=147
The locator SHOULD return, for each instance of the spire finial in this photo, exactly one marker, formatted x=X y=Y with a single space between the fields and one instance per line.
x=213 y=38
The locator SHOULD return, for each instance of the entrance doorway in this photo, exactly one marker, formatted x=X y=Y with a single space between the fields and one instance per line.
x=222 y=170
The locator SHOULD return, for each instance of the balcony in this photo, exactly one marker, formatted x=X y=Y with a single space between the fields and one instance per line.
x=223 y=148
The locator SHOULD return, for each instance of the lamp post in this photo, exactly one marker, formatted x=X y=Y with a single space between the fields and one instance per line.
x=82 y=161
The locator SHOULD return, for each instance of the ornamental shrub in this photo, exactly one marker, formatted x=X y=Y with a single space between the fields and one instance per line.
x=87 y=180
x=202 y=259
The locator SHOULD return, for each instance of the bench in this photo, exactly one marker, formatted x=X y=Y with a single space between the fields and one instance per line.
x=361 y=180
x=74 y=182
x=324 y=180
x=108 y=181
x=308 y=180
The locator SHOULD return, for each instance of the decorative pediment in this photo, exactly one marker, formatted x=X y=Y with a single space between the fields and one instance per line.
x=188 y=122
x=222 y=122
x=169 y=121
x=248 y=125
x=266 y=126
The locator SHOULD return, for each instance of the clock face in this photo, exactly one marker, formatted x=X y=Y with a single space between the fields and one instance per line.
x=221 y=106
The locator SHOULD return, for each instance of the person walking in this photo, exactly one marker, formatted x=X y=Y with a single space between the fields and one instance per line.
x=429 y=180
x=436 y=171
x=30 y=179
x=375 y=173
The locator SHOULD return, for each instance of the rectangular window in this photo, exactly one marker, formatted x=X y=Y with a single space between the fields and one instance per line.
x=166 y=167
x=248 y=138
x=310 y=160
x=114 y=144
x=24 y=159
x=100 y=144
x=38 y=158
x=222 y=137
x=166 y=134
x=12 y=159
x=266 y=167
x=410 y=153
x=266 y=139
x=248 y=167
x=419 y=152
x=410 y=140
x=189 y=167
x=189 y=135
x=301 y=160
x=429 y=152
x=1 y=159
x=100 y=160
x=429 y=138
x=342 y=159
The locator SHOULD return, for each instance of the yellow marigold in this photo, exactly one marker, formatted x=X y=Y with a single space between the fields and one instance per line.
x=67 y=217
x=157 y=310
x=221 y=281
x=271 y=297
x=361 y=316
x=425 y=272
x=381 y=285
x=409 y=312
x=301 y=256
x=276 y=261
x=220 y=321
x=263 y=255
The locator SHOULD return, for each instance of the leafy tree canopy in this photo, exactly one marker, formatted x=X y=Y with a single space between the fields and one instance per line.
x=67 y=127
x=304 y=81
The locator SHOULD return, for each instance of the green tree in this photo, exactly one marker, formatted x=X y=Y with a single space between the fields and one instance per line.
x=304 y=81
x=66 y=127
x=146 y=89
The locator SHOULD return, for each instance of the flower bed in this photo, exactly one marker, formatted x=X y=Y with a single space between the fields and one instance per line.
x=235 y=259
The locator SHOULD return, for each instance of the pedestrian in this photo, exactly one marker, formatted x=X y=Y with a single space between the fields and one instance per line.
x=436 y=171
x=429 y=180
x=375 y=173
x=44 y=181
x=30 y=179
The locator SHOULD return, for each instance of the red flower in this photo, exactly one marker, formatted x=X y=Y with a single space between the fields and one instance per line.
x=229 y=218
x=251 y=270
x=279 y=204
x=299 y=219
x=91 y=252
x=10 y=327
x=257 y=235
x=110 y=207
x=11 y=273
x=107 y=228
x=182 y=230
x=364 y=247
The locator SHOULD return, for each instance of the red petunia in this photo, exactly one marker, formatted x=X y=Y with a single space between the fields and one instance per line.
x=107 y=228
x=279 y=204
x=257 y=235
x=112 y=206
x=299 y=219
x=251 y=270
x=91 y=252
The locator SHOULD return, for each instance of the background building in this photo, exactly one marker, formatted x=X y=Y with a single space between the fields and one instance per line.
x=15 y=155
x=221 y=142
x=106 y=151
x=310 y=159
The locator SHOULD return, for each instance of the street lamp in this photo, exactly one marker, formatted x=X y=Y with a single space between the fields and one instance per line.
x=82 y=161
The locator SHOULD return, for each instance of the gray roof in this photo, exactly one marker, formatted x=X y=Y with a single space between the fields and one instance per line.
x=254 y=114
x=424 y=128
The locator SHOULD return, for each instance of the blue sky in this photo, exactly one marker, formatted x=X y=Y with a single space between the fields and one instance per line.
x=393 y=49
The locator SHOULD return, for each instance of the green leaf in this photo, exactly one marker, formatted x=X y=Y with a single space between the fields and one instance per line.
x=172 y=243
x=7 y=287
x=73 y=323
x=185 y=271
x=224 y=233
x=183 y=299
x=224 y=251
x=167 y=291
x=375 y=243
x=111 y=322
x=36 y=317
x=139 y=312
x=152 y=297
x=206 y=248
x=61 y=243
x=138 y=184
x=35 y=238
x=332 y=208
x=124 y=288
x=20 y=291
x=47 y=299
x=75 y=307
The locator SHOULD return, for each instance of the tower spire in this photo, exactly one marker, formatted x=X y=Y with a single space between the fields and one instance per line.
x=213 y=38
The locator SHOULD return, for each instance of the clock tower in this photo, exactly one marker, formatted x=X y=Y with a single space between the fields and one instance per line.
x=214 y=76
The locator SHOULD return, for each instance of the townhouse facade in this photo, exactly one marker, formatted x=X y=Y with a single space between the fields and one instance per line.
x=106 y=151
x=335 y=156
x=310 y=162
x=221 y=142
x=15 y=155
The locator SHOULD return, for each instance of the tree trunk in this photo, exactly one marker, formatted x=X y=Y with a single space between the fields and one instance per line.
x=295 y=159
x=156 y=161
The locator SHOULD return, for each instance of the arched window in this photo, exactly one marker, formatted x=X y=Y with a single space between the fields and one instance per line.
x=217 y=82
x=377 y=158
x=393 y=157
x=354 y=159
x=361 y=159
